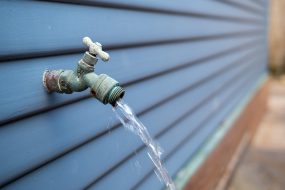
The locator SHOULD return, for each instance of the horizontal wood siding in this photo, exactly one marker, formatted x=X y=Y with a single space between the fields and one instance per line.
x=190 y=61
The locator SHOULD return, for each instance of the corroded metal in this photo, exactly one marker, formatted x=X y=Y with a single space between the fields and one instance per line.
x=51 y=80
x=103 y=87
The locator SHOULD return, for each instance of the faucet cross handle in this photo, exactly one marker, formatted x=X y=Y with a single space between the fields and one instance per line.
x=96 y=49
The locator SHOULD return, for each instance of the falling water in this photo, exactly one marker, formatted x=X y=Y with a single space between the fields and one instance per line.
x=131 y=122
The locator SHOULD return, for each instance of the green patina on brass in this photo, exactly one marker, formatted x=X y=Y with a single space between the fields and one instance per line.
x=103 y=87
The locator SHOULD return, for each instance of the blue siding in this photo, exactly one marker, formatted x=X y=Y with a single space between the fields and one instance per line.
x=190 y=61
x=57 y=27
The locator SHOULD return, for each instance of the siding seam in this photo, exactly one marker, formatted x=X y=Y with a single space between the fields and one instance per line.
x=241 y=6
x=140 y=8
x=60 y=52
x=187 y=114
x=136 y=81
x=98 y=135
x=185 y=140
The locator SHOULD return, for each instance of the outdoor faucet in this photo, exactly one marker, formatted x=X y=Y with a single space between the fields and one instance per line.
x=103 y=87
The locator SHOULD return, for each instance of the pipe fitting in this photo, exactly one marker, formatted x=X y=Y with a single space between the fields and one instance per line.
x=107 y=90
x=86 y=64
x=104 y=88
x=51 y=80
x=62 y=82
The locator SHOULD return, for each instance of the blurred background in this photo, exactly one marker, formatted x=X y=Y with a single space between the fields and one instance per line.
x=262 y=166
x=277 y=38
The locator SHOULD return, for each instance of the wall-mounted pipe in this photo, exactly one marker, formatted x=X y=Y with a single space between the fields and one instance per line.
x=103 y=87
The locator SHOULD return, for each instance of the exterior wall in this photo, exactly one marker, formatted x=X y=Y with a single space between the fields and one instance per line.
x=185 y=66
x=219 y=168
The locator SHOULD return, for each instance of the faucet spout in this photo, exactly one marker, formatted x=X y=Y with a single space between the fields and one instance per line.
x=104 y=88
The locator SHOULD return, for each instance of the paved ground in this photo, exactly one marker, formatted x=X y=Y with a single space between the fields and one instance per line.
x=263 y=165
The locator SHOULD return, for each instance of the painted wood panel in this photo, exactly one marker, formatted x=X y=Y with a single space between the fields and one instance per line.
x=250 y=6
x=58 y=28
x=80 y=161
x=163 y=87
x=121 y=67
x=192 y=61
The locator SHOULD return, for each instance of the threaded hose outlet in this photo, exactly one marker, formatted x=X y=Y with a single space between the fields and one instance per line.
x=116 y=93
x=107 y=90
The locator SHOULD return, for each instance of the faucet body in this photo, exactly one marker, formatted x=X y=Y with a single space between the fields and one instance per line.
x=103 y=87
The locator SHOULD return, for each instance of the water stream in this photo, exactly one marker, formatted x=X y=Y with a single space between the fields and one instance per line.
x=129 y=120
